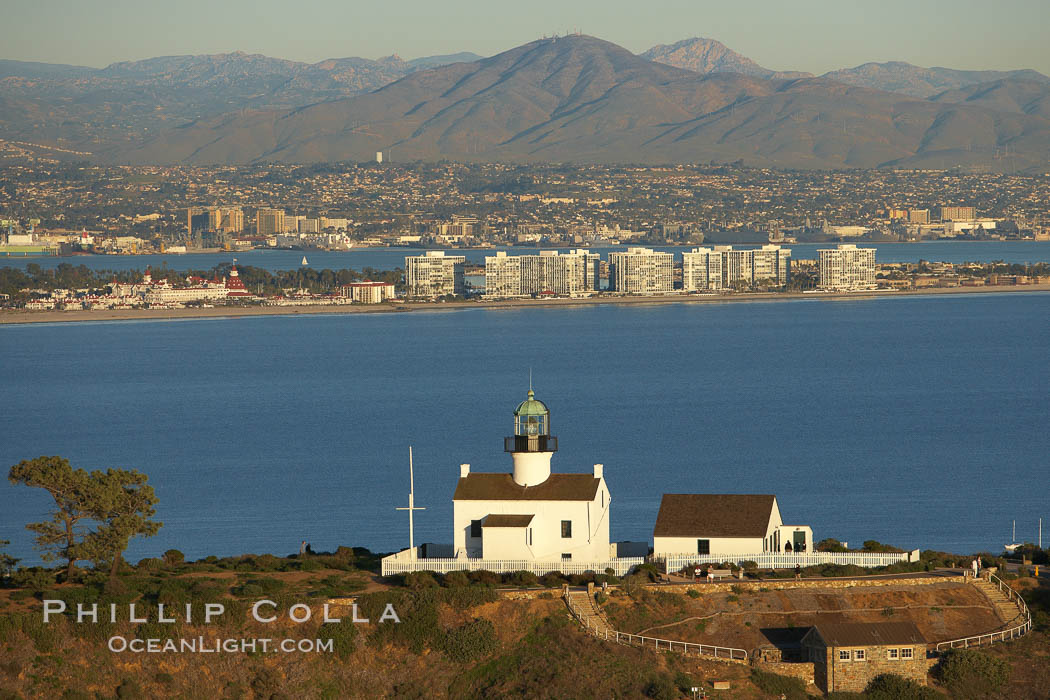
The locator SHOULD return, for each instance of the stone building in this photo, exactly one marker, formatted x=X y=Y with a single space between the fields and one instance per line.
x=846 y=656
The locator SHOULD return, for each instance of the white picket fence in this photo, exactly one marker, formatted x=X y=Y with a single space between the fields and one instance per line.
x=400 y=564
x=776 y=560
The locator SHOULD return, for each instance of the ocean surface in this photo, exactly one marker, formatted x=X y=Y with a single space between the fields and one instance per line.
x=1020 y=252
x=918 y=421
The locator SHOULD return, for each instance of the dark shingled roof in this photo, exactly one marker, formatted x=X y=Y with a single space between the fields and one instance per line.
x=504 y=520
x=501 y=487
x=864 y=634
x=713 y=515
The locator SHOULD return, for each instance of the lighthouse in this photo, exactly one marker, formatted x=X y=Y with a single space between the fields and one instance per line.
x=532 y=514
x=531 y=446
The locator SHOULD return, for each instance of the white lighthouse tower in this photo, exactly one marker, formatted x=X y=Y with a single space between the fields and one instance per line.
x=532 y=446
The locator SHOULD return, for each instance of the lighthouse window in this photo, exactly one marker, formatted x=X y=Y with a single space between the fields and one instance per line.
x=475 y=528
x=703 y=546
x=566 y=528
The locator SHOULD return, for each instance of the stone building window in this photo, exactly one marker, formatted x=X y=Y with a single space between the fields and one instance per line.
x=858 y=655
x=843 y=654
x=892 y=654
x=907 y=653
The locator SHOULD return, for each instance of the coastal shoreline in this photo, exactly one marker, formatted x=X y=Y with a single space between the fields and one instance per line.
x=14 y=317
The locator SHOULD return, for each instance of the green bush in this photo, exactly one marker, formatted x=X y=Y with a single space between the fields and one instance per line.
x=174 y=557
x=34 y=578
x=522 y=579
x=553 y=579
x=685 y=683
x=254 y=587
x=456 y=578
x=420 y=579
x=777 y=685
x=889 y=686
x=487 y=578
x=471 y=641
x=969 y=673
x=661 y=687
x=343 y=635
x=149 y=564
x=693 y=593
x=601 y=598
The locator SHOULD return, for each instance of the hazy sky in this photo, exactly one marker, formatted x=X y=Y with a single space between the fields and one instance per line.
x=810 y=35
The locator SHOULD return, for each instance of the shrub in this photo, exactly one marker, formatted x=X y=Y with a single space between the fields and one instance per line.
x=164 y=678
x=471 y=641
x=523 y=579
x=254 y=587
x=693 y=593
x=174 y=557
x=129 y=689
x=777 y=685
x=34 y=578
x=892 y=687
x=487 y=578
x=661 y=687
x=971 y=673
x=553 y=579
x=149 y=564
x=456 y=578
x=685 y=683
x=420 y=579
x=749 y=565
x=601 y=598
x=343 y=636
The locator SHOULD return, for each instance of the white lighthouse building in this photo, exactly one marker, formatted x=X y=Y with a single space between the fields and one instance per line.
x=530 y=513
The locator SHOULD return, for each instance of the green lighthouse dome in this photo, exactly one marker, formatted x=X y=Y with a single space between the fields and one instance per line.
x=531 y=407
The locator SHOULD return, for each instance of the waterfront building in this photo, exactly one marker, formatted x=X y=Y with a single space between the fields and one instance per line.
x=369 y=292
x=846 y=267
x=572 y=274
x=269 y=222
x=729 y=524
x=847 y=656
x=641 y=271
x=531 y=513
x=769 y=264
x=918 y=216
x=434 y=274
x=701 y=270
x=958 y=213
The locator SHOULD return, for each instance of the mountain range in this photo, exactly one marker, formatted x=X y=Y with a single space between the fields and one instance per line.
x=574 y=98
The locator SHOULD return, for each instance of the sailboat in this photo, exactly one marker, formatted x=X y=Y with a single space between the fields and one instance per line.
x=305 y=261
x=1013 y=547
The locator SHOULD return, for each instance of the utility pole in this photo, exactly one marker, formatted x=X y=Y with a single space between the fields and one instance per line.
x=411 y=505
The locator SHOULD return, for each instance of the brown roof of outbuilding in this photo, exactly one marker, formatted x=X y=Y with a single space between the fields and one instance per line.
x=505 y=520
x=713 y=515
x=864 y=634
x=501 y=487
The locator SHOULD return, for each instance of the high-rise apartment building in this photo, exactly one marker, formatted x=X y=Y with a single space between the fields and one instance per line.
x=215 y=219
x=958 y=213
x=846 y=267
x=641 y=271
x=702 y=269
x=769 y=264
x=571 y=274
x=269 y=222
x=918 y=216
x=434 y=274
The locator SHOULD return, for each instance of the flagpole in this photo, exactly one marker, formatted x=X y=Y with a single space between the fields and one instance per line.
x=411 y=505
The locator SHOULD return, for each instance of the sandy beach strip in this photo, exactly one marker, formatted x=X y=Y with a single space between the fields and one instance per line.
x=14 y=316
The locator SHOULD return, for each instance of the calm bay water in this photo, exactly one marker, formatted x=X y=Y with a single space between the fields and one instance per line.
x=916 y=421
x=1020 y=252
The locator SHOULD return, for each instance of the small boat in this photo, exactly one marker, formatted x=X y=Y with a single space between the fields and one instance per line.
x=1013 y=547
x=305 y=261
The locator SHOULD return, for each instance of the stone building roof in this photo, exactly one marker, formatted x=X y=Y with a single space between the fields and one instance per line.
x=501 y=487
x=864 y=634
x=505 y=520
x=713 y=515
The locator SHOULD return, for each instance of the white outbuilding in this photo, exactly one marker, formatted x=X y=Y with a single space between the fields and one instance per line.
x=731 y=524
x=531 y=514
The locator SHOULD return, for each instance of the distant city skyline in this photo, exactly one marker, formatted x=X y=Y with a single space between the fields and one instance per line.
x=809 y=35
